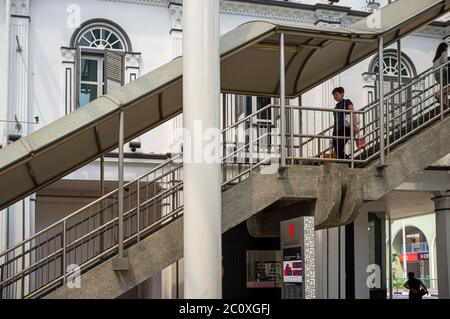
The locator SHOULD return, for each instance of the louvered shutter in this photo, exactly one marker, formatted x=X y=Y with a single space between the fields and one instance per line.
x=114 y=71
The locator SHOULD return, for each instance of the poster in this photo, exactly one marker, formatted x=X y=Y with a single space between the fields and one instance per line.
x=292 y=271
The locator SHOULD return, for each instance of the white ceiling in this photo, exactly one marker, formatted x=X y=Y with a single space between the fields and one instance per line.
x=402 y=204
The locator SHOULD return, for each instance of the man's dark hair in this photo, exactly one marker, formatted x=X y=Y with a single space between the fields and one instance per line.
x=338 y=90
x=410 y=275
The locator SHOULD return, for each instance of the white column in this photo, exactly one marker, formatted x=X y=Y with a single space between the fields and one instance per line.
x=330 y=263
x=132 y=66
x=176 y=28
x=442 y=209
x=176 y=36
x=202 y=176
x=4 y=69
x=405 y=268
x=69 y=78
x=361 y=253
x=17 y=66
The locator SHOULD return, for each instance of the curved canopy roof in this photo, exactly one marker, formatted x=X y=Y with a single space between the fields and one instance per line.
x=315 y=54
x=249 y=65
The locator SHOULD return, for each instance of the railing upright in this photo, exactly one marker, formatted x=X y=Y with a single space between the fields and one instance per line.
x=441 y=78
x=64 y=258
x=352 y=140
x=138 y=209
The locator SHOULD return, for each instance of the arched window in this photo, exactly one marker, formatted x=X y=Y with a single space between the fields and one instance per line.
x=100 y=37
x=390 y=69
x=411 y=249
x=101 y=47
x=390 y=65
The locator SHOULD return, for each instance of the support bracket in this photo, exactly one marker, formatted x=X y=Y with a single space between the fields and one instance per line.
x=121 y=263
x=282 y=172
x=379 y=170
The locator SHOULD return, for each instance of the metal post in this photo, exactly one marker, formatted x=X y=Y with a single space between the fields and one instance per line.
x=102 y=176
x=282 y=106
x=251 y=144
x=380 y=168
x=441 y=72
x=121 y=142
x=23 y=249
x=121 y=262
x=391 y=278
x=352 y=140
x=102 y=193
x=224 y=135
x=202 y=177
x=291 y=128
x=64 y=244
x=405 y=269
x=300 y=127
x=138 y=209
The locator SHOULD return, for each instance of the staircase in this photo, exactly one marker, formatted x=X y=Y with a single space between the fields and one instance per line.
x=153 y=202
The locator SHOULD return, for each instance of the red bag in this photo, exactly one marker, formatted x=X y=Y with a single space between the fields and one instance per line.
x=361 y=143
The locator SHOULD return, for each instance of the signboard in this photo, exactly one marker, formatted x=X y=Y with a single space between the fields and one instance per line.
x=409 y=257
x=424 y=256
x=297 y=247
x=292 y=271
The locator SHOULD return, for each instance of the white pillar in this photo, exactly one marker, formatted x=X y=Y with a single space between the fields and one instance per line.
x=405 y=268
x=18 y=66
x=4 y=69
x=15 y=98
x=361 y=254
x=442 y=209
x=202 y=177
x=176 y=35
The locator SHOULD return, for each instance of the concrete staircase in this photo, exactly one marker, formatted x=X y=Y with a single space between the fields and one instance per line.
x=332 y=193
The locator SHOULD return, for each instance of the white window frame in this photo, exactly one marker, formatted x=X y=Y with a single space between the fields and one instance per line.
x=100 y=78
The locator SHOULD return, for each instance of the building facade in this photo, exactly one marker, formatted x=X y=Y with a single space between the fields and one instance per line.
x=58 y=55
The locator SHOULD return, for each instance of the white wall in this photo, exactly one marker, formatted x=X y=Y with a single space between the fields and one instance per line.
x=49 y=210
x=3 y=76
x=361 y=255
x=3 y=67
x=147 y=26
x=330 y=263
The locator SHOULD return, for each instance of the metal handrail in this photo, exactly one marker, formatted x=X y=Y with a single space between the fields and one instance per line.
x=67 y=247
x=415 y=80
x=104 y=197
